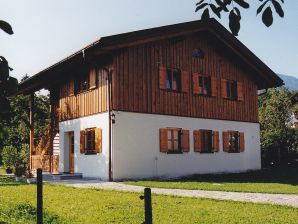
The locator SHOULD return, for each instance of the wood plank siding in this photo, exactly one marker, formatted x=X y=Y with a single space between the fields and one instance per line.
x=135 y=83
x=93 y=101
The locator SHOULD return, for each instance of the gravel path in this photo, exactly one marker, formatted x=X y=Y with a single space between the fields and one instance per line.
x=278 y=199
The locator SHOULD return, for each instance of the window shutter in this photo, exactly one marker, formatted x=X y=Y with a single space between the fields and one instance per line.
x=163 y=140
x=224 y=91
x=71 y=88
x=162 y=78
x=213 y=86
x=215 y=141
x=98 y=140
x=82 y=141
x=240 y=91
x=226 y=140
x=197 y=140
x=241 y=141
x=195 y=83
x=185 y=81
x=92 y=78
x=185 y=140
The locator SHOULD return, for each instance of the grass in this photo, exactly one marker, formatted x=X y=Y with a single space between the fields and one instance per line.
x=2 y=170
x=283 y=181
x=69 y=205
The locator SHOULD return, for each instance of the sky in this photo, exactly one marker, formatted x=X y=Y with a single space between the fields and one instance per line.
x=45 y=32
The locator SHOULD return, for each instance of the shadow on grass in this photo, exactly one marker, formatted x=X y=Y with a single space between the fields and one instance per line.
x=9 y=181
x=26 y=213
x=270 y=175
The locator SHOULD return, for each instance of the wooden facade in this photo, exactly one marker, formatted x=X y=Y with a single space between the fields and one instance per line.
x=92 y=101
x=135 y=85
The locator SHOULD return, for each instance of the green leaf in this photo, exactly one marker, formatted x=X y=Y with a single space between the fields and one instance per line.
x=205 y=16
x=4 y=69
x=201 y=6
x=261 y=7
x=234 y=23
x=12 y=85
x=278 y=8
x=199 y=2
x=6 y=27
x=267 y=17
x=242 y=3
x=215 y=10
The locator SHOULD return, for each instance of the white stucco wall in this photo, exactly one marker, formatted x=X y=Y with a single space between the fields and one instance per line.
x=136 y=147
x=88 y=165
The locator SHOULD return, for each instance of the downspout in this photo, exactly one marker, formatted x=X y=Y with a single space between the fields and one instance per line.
x=109 y=71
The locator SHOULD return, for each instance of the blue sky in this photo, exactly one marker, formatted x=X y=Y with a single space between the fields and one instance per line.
x=48 y=31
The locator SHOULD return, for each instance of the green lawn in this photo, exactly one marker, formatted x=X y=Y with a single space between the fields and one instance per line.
x=284 y=181
x=70 y=205
x=2 y=170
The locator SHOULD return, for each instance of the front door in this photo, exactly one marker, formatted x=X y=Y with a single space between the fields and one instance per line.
x=71 y=152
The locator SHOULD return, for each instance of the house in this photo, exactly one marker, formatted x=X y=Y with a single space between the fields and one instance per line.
x=163 y=102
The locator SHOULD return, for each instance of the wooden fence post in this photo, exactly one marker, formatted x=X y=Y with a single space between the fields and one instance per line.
x=39 y=197
x=147 y=205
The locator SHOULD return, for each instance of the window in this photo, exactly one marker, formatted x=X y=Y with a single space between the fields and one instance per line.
x=81 y=83
x=90 y=141
x=174 y=140
x=233 y=141
x=205 y=85
x=231 y=90
x=206 y=141
x=173 y=79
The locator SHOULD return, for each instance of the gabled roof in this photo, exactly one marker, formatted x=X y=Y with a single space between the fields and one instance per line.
x=264 y=76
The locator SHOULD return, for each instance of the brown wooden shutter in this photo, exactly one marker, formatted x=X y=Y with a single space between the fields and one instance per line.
x=213 y=86
x=197 y=139
x=224 y=91
x=215 y=141
x=226 y=140
x=92 y=78
x=163 y=140
x=162 y=78
x=98 y=140
x=71 y=87
x=185 y=81
x=82 y=141
x=185 y=140
x=195 y=83
x=241 y=142
x=240 y=91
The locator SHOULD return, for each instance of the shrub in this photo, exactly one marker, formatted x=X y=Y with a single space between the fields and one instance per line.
x=10 y=156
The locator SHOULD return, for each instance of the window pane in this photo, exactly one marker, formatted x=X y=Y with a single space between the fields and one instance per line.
x=169 y=134
x=169 y=79
x=175 y=81
x=169 y=145
x=175 y=135
x=175 y=145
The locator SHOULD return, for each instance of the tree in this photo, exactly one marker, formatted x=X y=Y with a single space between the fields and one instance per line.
x=233 y=7
x=279 y=142
x=8 y=85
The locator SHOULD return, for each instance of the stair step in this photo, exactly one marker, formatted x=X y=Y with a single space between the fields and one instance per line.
x=62 y=176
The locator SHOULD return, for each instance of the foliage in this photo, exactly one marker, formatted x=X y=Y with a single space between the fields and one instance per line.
x=16 y=159
x=8 y=85
x=10 y=156
x=100 y=206
x=17 y=132
x=277 y=181
x=233 y=7
x=279 y=141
